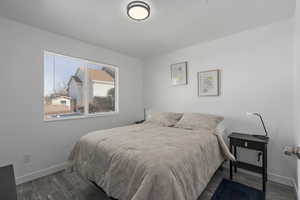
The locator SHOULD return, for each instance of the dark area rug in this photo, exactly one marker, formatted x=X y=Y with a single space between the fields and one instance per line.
x=228 y=190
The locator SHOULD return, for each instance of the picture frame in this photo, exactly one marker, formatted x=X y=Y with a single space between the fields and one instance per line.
x=179 y=73
x=209 y=83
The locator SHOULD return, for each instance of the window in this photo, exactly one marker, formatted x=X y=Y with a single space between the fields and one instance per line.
x=78 y=88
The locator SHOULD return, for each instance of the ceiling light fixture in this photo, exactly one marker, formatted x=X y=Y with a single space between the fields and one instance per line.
x=138 y=10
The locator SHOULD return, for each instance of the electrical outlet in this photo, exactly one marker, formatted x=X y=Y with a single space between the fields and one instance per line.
x=27 y=159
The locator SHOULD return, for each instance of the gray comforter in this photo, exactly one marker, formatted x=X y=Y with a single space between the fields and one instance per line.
x=148 y=162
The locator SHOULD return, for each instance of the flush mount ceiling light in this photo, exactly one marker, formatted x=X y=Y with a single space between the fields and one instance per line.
x=138 y=10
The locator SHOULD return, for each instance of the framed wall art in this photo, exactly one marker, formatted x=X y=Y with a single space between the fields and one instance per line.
x=209 y=83
x=179 y=73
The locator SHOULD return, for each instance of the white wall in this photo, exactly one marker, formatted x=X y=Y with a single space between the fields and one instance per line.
x=297 y=85
x=257 y=75
x=22 y=129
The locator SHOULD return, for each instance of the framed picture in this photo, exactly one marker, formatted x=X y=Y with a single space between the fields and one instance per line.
x=179 y=73
x=209 y=83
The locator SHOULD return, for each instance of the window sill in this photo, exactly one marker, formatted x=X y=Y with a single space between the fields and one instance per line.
x=82 y=117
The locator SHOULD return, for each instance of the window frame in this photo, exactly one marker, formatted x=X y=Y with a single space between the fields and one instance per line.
x=86 y=113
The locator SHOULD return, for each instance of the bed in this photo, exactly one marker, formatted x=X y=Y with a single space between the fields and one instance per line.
x=149 y=161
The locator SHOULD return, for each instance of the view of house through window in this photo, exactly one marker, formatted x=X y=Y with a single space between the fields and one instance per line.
x=77 y=87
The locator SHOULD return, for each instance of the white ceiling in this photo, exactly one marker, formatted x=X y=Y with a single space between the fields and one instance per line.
x=173 y=23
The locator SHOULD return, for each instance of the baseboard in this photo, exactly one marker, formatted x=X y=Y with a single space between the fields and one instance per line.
x=282 y=179
x=40 y=173
x=273 y=177
x=55 y=168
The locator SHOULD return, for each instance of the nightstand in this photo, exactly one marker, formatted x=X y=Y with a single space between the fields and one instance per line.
x=8 y=189
x=250 y=142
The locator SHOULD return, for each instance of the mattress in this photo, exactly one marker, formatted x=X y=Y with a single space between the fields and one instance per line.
x=148 y=161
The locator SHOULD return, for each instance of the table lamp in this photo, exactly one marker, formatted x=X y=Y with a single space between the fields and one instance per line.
x=263 y=124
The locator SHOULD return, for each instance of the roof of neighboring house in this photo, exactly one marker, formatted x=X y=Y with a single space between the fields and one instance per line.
x=94 y=75
x=99 y=75
x=76 y=79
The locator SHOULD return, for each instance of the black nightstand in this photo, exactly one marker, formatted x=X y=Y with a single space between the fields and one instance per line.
x=253 y=143
x=8 y=189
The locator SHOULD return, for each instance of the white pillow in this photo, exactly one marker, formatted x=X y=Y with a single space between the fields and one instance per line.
x=194 y=121
x=164 y=118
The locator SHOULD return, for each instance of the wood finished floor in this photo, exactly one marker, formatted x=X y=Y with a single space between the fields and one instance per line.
x=68 y=186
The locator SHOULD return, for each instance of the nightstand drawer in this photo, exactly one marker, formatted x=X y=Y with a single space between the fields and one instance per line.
x=247 y=144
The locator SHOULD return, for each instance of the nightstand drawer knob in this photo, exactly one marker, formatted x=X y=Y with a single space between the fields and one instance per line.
x=246 y=144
